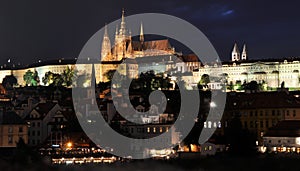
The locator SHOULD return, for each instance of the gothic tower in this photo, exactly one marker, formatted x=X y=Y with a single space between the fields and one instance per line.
x=244 y=53
x=235 y=55
x=120 y=40
x=142 y=34
x=106 y=46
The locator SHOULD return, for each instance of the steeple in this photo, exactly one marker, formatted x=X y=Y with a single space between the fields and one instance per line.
x=123 y=27
x=244 y=53
x=142 y=34
x=235 y=54
x=106 y=46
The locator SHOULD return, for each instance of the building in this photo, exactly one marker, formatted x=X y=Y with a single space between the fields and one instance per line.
x=284 y=137
x=258 y=112
x=272 y=72
x=40 y=119
x=12 y=128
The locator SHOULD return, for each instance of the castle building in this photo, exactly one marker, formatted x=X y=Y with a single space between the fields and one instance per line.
x=131 y=57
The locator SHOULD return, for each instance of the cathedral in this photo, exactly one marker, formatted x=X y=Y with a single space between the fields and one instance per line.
x=125 y=47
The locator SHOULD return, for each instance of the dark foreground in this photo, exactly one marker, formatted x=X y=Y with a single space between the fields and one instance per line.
x=274 y=163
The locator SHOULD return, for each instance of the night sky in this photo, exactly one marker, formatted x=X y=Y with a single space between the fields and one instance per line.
x=33 y=29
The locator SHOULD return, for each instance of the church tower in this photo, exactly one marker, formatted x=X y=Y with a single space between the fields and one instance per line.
x=120 y=40
x=244 y=53
x=142 y=34
x=235 y=55
x=106 y=46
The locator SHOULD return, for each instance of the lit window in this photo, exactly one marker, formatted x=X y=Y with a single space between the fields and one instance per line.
x=219 y=124
x=209 y=124
x=160 y=129
x=148 y=129
x=215 y=125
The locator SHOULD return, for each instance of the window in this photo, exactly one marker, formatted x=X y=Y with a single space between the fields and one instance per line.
x=261 y=124
x=148 y=129
x=261 y=113
x=294 y=113
x=38 y=124
x=266 y=113
x=10 y=129
x=267 y=124
x=219 y=124
x=10 y=139
x=33 y=133
x=209 y=124
x=154 y=129
x=251 y=124
x=33 y=124
x=20 y=129
x=38 y=133
x=215 y=124
x=245 y=124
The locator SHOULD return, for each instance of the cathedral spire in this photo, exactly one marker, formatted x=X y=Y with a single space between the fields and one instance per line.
x=106 y=46
x=142 y=34
x=235 y=54
x=123 y=27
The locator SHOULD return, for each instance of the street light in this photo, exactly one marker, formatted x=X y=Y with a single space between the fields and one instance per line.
x=69 y=144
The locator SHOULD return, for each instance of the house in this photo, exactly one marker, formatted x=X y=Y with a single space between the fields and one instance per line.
x=39 y=118
x=12 y=128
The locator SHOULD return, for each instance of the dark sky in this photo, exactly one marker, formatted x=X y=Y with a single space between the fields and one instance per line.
x=33 y=29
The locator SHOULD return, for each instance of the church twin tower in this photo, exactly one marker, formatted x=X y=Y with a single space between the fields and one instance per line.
x=236 y=55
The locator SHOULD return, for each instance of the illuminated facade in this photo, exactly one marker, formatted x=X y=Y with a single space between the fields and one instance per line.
x=271 y=72
x=133 y=57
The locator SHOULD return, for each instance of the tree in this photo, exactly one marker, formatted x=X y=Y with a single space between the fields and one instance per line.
x=110 y=74
x=252 y=86
x=31 y=78
x=52 y=79
x=204 y=80
x=48 y=78
x=241 y=141
x=9 y=81
x=230 y=86
x=36 y=79
x=28 y=76
x=68 y=76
